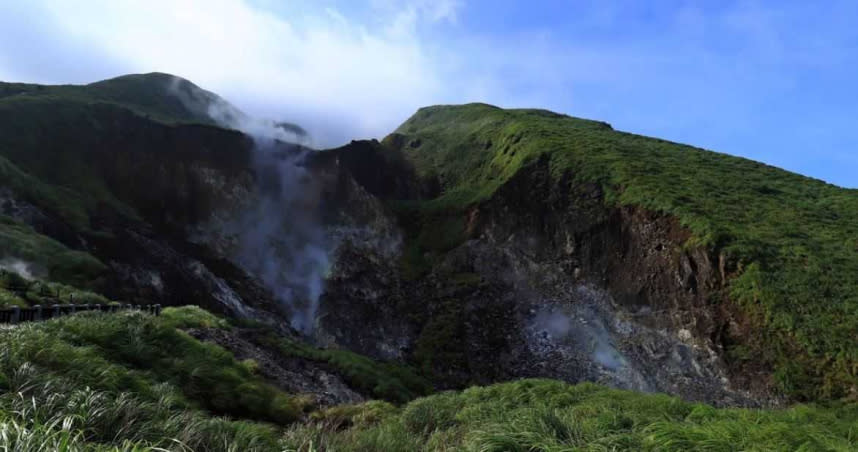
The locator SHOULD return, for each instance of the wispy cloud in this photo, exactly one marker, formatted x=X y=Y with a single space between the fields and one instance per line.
x=345 y=78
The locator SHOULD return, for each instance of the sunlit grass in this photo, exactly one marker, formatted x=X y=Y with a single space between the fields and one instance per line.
x=543 y=415
x=132 y=381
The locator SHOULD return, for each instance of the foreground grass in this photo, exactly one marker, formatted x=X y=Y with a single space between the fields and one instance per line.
x=130 y=380
x=790 y=241
x=549 y=416
x=133 y=382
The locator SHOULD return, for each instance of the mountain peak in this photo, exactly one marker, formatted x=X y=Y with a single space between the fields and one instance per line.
x=165 y=96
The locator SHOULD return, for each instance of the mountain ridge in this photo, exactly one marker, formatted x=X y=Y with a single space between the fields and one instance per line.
x=773 y=240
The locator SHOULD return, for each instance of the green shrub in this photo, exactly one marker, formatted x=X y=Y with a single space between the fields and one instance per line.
x=186 y=317
x=355 y=415
x=11 y=299
x=427 y=415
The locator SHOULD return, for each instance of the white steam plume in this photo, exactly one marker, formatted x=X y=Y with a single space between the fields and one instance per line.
x=280 y=238
x=21 y=268
x=587 y=330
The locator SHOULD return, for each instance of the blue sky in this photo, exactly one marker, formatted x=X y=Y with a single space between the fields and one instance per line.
x=774 y=81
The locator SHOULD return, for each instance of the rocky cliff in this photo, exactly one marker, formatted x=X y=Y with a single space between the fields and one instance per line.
x=477 y=244
x=548 y=282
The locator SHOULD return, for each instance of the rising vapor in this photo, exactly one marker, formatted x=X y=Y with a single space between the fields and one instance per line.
x=279 y=237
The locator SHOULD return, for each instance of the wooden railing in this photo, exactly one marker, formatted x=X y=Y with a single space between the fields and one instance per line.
x=37 y=313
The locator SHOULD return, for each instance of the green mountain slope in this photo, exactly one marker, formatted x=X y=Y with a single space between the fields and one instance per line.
x=92 y=156
x=160 y=96
x=114 y=155
x=791 y=242
x=56 y=133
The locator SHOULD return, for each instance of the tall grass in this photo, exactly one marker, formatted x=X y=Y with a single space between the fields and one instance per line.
x=130 y=381
x=551 y=416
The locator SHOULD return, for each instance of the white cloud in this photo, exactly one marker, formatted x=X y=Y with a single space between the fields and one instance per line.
x=324 y=69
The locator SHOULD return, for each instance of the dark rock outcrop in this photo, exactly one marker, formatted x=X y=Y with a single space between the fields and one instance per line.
x=550 y=283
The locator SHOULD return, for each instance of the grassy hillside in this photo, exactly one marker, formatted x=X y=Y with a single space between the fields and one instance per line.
x=392 y=382
x=57 y=142
x=87 y=155
x=133 y=382
x=155 y=95
x=551 y=416
x=792 y=241
x=57 y=261
x=17 y=291
x=130 y=381
x=97 y=381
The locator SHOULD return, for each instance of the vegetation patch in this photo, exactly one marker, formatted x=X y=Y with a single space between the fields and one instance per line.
x=98 y=381
x=431 y=232
x=545 y=415
x=184 y=317
x=59 y=263
x=15 y=290
x=440 y=345
x=388 y=381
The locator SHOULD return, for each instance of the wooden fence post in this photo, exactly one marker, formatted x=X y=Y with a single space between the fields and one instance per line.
x=16 y=314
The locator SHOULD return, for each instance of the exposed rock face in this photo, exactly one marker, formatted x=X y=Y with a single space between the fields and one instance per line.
x=551 y=283
x=363 y=286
